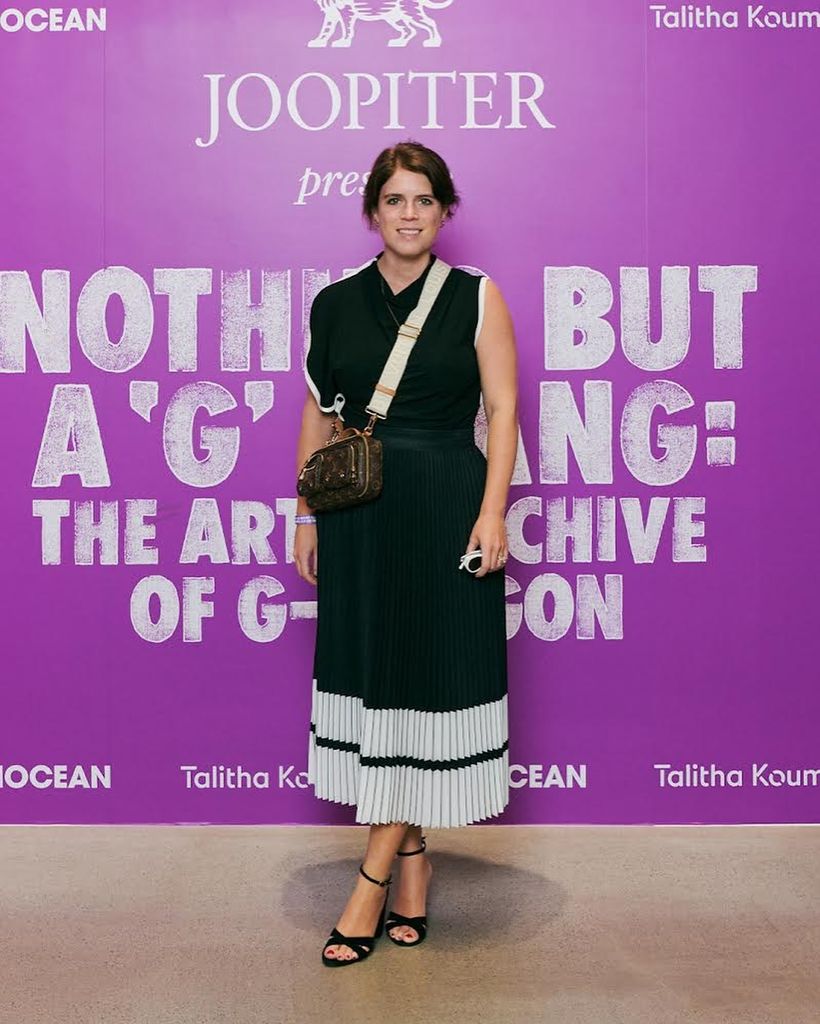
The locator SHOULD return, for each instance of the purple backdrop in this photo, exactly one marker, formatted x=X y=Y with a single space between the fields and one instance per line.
x=646 y=143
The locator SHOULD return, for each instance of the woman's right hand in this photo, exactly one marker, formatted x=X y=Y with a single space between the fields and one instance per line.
x=306 y=552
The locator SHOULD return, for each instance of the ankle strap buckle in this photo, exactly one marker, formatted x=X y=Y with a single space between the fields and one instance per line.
x=375 y=881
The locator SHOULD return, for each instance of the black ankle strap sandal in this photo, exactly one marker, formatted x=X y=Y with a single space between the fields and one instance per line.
x=362 y=945
x=410 y=853
x=394 y=919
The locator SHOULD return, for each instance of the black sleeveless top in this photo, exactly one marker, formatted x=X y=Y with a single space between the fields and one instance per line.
x=352 y=332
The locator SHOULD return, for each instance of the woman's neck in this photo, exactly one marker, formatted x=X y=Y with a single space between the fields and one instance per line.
x=399 y=272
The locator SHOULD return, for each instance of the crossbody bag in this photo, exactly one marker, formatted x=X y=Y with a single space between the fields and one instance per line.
x=347 y=469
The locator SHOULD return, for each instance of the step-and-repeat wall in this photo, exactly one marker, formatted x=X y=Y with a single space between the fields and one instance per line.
x=180 y=179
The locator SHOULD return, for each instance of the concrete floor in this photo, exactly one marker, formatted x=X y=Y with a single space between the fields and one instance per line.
x=194 y=925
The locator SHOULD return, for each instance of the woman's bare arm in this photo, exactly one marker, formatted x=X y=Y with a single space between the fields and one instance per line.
x=316 y=428
x=497 y=361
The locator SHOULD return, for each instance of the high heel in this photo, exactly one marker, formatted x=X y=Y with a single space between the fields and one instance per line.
x=362 y=945
x=394 y=919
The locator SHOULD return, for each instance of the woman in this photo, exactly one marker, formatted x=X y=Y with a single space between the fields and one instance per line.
x=409 y=700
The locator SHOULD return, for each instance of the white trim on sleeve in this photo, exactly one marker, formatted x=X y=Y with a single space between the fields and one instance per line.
x=337 y=403
x=482 y=284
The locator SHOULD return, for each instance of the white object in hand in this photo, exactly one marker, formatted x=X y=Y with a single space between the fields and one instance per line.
x=471 y=561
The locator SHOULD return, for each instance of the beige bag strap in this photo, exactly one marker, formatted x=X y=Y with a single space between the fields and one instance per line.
x=408 y=332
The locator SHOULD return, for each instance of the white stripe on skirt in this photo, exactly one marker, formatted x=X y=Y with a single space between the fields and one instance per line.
x=434 y=796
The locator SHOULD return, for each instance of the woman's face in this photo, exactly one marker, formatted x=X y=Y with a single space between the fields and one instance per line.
x=408 y=215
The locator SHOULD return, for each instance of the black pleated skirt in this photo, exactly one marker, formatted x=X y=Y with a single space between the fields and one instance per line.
x=409 y=698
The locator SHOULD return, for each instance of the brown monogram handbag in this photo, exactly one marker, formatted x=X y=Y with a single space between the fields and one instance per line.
x=347 y=469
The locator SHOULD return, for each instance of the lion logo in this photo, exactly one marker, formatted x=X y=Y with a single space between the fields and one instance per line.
x=406 y=16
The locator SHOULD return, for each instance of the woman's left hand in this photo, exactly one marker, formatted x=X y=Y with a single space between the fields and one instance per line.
x=489 y=534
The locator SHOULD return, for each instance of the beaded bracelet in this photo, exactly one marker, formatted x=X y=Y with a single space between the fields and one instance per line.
x=306 y=519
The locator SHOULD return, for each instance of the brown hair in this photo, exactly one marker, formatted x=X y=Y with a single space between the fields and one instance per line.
x=412 y=156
